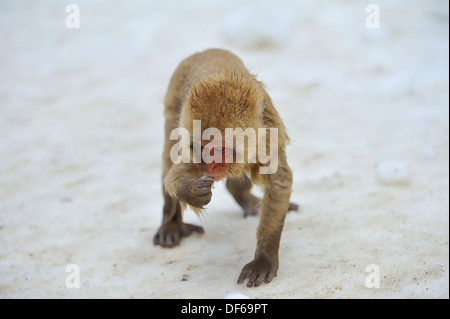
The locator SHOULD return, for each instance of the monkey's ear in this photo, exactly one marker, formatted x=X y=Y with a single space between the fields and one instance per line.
x=262 y=94
x=261 y=104
x=185 y=118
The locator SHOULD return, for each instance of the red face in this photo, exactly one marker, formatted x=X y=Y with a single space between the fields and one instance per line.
x=213 y=159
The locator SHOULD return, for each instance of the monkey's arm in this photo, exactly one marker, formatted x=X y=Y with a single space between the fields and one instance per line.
x=274 y=207
x=172 y=229
x=184 y=181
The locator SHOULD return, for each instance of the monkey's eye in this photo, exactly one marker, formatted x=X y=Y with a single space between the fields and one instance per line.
x=219 y=149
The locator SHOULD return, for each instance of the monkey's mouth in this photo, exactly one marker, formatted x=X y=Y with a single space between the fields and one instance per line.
x=214 y=171
x=217 y=178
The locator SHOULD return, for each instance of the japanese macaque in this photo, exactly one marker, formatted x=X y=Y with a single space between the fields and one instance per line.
x=215 y=87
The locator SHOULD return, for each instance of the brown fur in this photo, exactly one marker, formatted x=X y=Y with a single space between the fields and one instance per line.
x=215 y=87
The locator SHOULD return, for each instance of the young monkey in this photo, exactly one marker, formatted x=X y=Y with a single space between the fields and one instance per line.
x=215 y=87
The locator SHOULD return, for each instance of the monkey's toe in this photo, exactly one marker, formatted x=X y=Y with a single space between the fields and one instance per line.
x=187 y=229
x=166 y=240
x=170 y=234
x=293 y=207
x=250 y=211
x=250 y=205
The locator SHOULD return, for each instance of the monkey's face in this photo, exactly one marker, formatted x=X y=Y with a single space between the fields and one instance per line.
x=221 y=102
x=213 y=158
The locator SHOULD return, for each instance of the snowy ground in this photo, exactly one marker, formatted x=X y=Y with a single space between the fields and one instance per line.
x=81 y=130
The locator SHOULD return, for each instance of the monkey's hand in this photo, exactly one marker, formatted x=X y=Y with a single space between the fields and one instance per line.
x=195 y=192
x=259 y=270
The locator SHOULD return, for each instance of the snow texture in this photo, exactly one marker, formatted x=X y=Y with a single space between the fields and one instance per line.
x=81 y=129
x=236 y=296
x=393 y=172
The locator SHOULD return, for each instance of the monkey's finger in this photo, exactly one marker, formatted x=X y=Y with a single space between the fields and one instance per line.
x=156 y=239
x=168 y=240
x=260 y=279
x=254 y=279
x=205 y=199
x=165 y=241
x=176 y=239
x=205 y=183
x=269 y=277
x=195 y=188
x=244 y=274
x=203 y=191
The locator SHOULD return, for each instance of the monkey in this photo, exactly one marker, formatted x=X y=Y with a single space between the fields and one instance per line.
x=215 y=87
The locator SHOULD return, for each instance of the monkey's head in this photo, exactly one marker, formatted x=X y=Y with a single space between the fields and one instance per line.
x=228 y=100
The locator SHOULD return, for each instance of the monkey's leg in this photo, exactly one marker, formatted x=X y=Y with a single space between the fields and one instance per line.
x=240 y=188
x=172 y=229
x=274 y=207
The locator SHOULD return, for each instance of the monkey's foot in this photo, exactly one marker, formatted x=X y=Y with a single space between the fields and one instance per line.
x=171 y=233
x=250 y=206
x=257 y=271
x=293 y=206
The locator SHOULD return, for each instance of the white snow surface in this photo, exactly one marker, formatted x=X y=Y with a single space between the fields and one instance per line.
x=393 y=172
x=236 y=296
x=81 y=129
